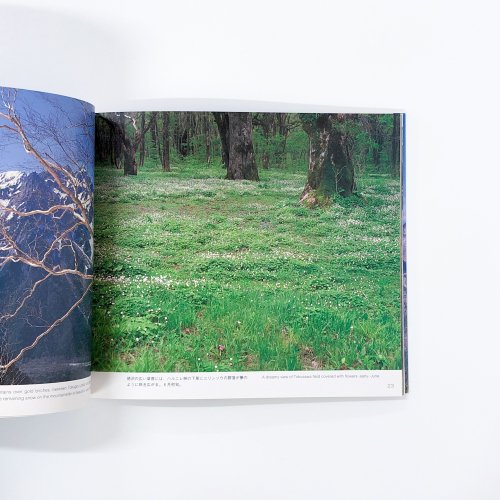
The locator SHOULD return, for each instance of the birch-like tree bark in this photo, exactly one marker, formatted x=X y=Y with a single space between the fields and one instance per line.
x=47 y=244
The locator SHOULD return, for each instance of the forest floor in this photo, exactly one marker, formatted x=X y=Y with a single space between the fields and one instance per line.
x=197 y=273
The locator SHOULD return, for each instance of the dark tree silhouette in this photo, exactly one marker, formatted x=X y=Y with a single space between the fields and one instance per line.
x=396 y=143
x=142 y=147
x=377 y=135
x=267 y=122
x=127 y=137
x=165 y=158
x=330 y=167
x=235 y=130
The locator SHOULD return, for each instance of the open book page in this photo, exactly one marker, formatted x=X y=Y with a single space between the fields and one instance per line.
x=248 y=255
x=46 y=251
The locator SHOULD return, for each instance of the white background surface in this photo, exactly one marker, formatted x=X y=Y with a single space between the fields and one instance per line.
x=436 y=60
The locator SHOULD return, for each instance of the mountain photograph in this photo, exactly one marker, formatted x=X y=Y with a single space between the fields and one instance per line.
x=46 y=237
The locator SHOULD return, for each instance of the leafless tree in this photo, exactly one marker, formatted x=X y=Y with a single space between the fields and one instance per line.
x=52 y=252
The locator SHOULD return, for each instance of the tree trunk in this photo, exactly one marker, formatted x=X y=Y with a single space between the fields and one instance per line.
x=117 y=151
x=222 y=122
x=235 y=130
x=180 y=133
x=128 y=150
x=154 y=138
x=129 y=163
x=268 y=130
x=340 y=158
x=103 y=141
x=208 y=138
x=282 y=125
x=165 y=159
x=320 y=175
x=377 y=136
x=125 y=145
x=242 y=163
x=330 y=168
x=142 y=148
x=158 y=142
x=396 y=144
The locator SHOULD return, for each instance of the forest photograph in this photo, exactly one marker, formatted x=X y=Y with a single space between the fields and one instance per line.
x=233 y=241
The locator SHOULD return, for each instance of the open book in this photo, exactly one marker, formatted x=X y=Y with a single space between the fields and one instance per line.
x=206 y=254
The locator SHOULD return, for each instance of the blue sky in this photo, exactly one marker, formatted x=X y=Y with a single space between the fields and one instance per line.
x=69 y=118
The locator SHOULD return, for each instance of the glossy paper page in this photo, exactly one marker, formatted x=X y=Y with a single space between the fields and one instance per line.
x=46 y=250
x=248 y=254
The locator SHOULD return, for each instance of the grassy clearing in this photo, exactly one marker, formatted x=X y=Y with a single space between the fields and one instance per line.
x=196 y=273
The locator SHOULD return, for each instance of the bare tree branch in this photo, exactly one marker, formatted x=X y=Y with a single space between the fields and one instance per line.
x=57 y=322
x=65 y=160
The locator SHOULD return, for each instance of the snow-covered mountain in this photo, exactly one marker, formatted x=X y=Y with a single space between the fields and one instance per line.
x=38 y=190
x=12 y=191
x=10 y=182
x=36 y=236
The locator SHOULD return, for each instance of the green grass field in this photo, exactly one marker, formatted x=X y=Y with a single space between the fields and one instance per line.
x=198 y=273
